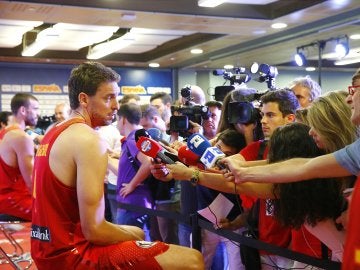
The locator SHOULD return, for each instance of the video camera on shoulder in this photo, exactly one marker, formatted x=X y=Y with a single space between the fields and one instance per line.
x=245 y=109
x=183 y=114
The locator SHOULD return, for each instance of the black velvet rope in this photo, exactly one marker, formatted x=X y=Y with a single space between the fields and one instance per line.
x=283 y=252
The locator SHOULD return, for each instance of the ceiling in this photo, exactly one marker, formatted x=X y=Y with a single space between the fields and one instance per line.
x=166 y=31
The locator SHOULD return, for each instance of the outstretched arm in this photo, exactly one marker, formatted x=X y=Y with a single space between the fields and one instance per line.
x=292 y=170
x=218 y=182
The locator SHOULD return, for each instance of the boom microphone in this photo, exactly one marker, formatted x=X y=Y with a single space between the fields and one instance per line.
x=210 y=155
x=151 y=148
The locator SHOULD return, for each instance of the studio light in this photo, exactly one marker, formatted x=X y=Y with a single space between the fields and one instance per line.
x=300 y=58
x=254 y=68
x=266 y=73
x=266 y=70
x=342 y=49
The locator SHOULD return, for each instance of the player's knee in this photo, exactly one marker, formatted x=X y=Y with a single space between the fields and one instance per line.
x=198 y=260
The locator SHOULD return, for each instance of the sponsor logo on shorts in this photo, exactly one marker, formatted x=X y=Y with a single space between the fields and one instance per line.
x=145 y=244
x=40 y=233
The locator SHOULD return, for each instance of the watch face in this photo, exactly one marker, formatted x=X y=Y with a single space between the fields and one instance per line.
x=194 y=181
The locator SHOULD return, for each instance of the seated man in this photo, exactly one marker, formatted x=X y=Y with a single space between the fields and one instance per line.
x=16 y=158
x=69 y=230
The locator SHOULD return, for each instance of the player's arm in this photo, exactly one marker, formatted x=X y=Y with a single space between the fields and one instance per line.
x=24 y=149
x=91 y=160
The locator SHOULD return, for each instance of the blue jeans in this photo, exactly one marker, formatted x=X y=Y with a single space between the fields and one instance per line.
x=142 y=221
x=184 y=232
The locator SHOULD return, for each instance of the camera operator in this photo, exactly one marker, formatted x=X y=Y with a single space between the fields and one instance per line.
x=187 y=118
x=211 y=124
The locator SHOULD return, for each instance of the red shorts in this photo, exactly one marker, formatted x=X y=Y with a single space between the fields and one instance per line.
x=15 y=204
x=134 y=255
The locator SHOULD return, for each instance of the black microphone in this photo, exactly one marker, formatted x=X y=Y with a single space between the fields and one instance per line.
x=157 y=135
x=141 y=133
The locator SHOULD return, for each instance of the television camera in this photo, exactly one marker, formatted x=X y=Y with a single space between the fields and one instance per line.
x=240 y=76
x=183 y=114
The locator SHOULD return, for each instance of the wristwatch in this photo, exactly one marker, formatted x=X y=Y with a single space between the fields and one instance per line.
x=195 y=177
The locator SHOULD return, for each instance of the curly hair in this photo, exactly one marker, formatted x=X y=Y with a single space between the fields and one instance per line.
x=306 y=201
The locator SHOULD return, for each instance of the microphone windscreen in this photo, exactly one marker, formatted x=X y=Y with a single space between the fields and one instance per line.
x=152 y=149
x=198 y=144
x=148 y=146
x=141 y=133
x=188 y=157
x=155 y=133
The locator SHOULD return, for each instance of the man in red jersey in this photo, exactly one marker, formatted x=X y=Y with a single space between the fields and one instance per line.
x=69 y=230
x=16 y=158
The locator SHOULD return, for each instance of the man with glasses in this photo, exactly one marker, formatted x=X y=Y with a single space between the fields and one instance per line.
x=344 y=162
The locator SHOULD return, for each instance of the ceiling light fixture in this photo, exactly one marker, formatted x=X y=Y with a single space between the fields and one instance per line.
x=154 y=65
x=196 y=51
x=228 y=66
x=278 y=25
x=355 y=36
x=349 y=61
x=210 y=3
x=43 y=39
x=310 y=69
x=109 y=47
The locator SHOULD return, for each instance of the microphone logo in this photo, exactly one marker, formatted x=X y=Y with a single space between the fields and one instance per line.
x=145 y=146
x=196 y=140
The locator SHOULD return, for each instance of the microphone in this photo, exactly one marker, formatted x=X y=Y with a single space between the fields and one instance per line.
x=157 y=135
x=152 y=149
x=198 y=144
x=188 y=157
x=141 y=133
x=209 y=155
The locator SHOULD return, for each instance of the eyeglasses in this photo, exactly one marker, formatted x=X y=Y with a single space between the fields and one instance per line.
x=352 y=89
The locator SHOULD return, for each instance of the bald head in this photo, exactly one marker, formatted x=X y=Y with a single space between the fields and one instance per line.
x=62 y=111
x=197 y=95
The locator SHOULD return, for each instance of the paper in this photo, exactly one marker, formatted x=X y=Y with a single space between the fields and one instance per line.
x=218 y=209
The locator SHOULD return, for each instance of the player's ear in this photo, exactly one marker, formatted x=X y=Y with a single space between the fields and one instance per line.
x=83 y=99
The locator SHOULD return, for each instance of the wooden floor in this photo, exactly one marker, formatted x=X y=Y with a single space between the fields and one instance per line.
x=23 y=238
